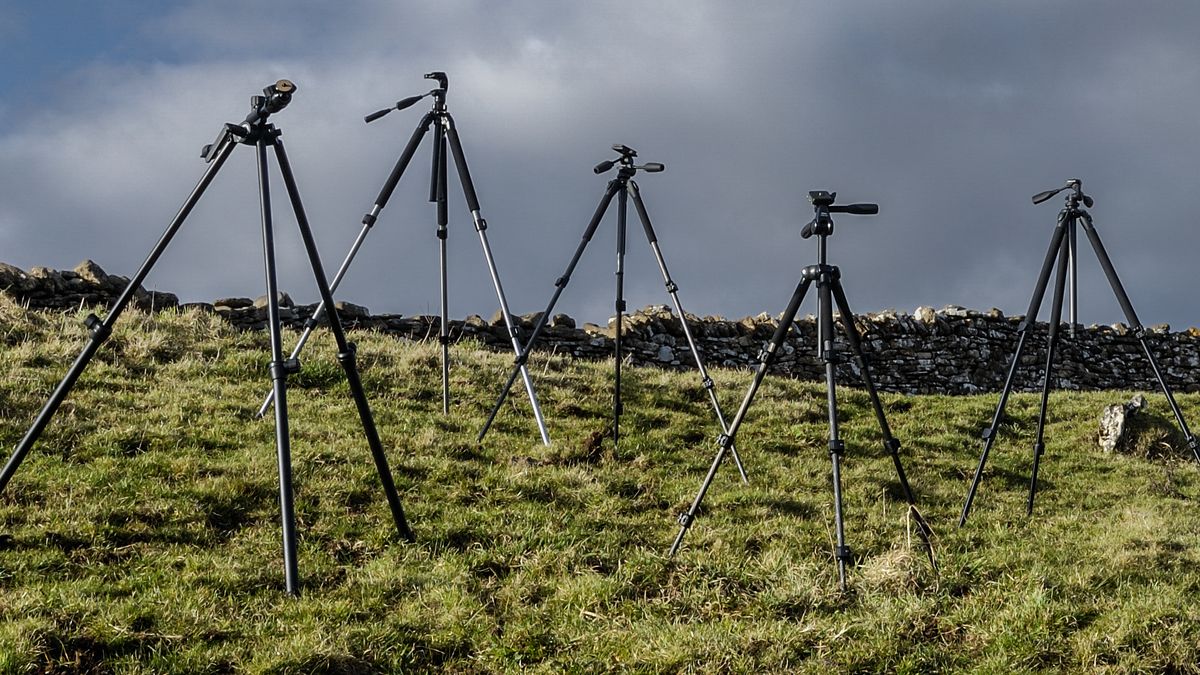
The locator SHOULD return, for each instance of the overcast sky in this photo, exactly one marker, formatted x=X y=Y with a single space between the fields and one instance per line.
x=949 y=114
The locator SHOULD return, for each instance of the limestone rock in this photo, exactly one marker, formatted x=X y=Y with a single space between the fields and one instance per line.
x=153 y=301
x=198 y=306
x=233 y=303
x=1113 y=422
x=285 y=300
x=349 y=310
x=90 y=271
x=12 y=277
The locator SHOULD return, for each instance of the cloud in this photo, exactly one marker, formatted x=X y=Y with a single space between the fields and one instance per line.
x=947 y=114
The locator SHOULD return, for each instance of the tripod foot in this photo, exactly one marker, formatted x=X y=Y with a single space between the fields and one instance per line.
x=844 y=556
x=925 y=532
x=685 y=521
x=1194 y=446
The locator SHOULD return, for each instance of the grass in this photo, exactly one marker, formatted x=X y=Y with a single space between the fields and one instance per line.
x=141 y=534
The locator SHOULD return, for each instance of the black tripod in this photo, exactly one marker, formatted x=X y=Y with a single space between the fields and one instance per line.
x=623 y=187
x=1063 y=249
x=829 y=291
x=254 y=130
x=439 y=120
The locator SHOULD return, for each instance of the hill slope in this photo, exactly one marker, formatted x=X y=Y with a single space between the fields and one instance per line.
x=141 y=535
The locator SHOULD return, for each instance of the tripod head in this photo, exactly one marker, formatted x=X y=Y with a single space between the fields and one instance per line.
x=1073 y=198
x=822 y=222
x=439 y=95
x=275 y=97
x=626 y=161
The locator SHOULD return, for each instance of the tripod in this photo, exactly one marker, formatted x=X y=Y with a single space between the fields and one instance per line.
x=623 y=187
x=444 y=132
x=254 y=130
x=829 y=290
x=1062 y=249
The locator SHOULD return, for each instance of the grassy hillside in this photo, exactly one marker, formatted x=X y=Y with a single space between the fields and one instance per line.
x=142 y=535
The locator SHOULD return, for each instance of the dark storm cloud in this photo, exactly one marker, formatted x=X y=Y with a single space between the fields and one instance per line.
x=948 y=114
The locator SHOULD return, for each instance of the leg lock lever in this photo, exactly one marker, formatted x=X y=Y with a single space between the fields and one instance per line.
x=672 y=287
x=837 y=447
x=843 y=553
x=281 y=369
x=96 y=327
x=892 y=445
x=348 y=355
x=685 y=519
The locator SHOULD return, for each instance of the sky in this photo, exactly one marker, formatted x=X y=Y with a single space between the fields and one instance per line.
x=948 y=114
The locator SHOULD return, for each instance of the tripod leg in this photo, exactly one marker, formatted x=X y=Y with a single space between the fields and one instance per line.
x=438 y=194
x=1138 y=330
x=622 y=203
x=725 y=440
x=890 y=443
x=464 y=177
x=559 y=285
x=315 y=319
x=100 y=330
x=346 y=349
x=368 y=221
x=280 y=369
x=1073 y=279
x=673 y=290
x=1035 y=304
x=1039 y=448
x=837 y=448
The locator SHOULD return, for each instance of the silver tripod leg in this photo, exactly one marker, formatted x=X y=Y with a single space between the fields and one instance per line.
x=673 y=291
x=481 y=228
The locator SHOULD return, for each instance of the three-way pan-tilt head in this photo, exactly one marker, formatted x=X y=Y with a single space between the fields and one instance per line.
x=626 y=162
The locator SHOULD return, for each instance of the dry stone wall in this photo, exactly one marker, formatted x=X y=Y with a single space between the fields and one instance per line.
x=951 y=350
